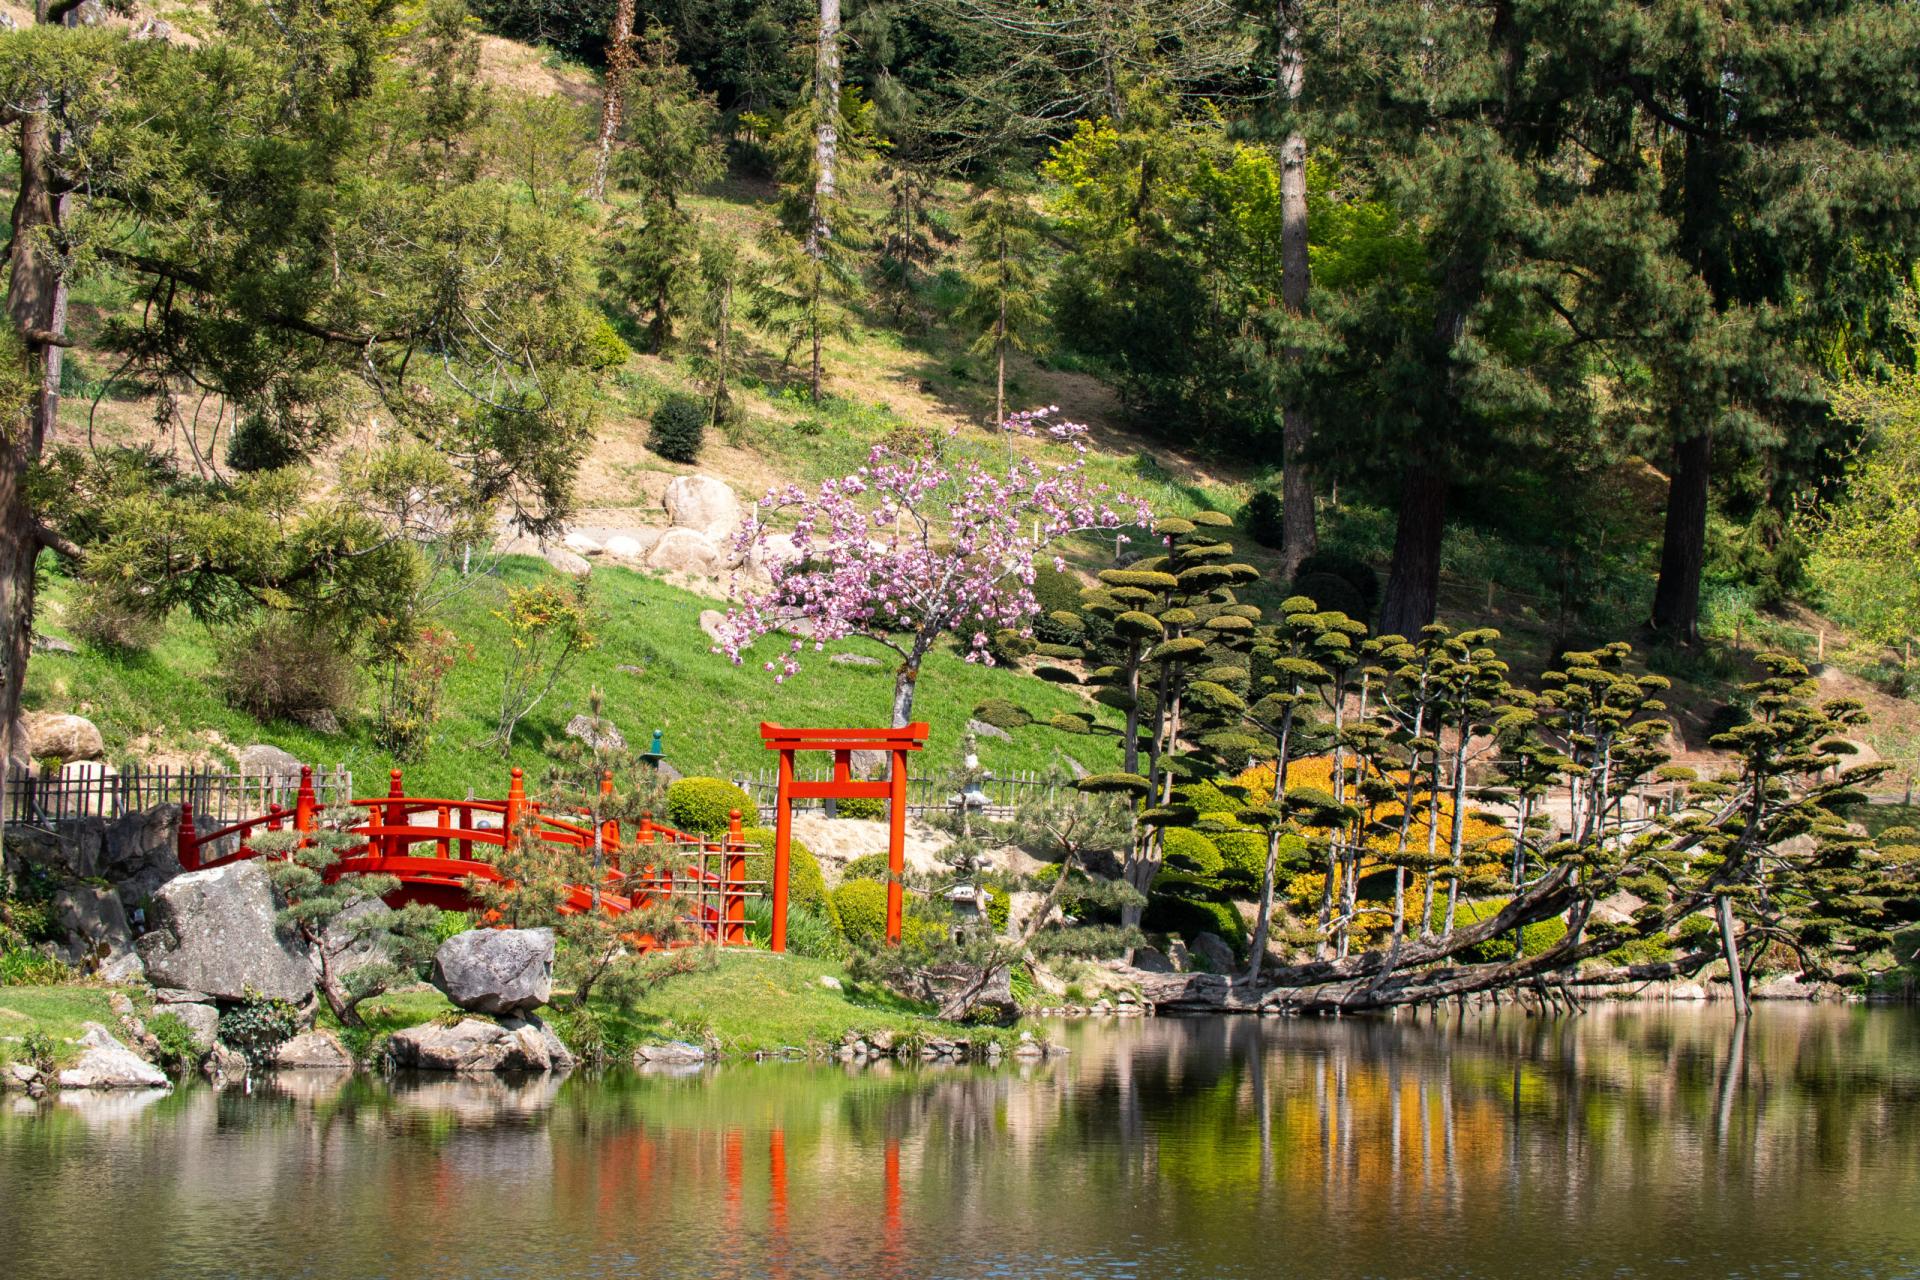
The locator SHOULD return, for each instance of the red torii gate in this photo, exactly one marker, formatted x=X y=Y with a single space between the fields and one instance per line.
x=842 y=786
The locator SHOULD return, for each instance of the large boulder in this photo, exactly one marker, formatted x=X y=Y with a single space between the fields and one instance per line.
x=686 y=551
x=97 y=933
x=202 y=1022
x=213 y=931
x=704 y=504
x=1213 y=949
x=313 y=1051
x=596 y=734
x=474 y=1046
x=496 y=970
x=52 y=733
x=262 y=760
x=105 y=1063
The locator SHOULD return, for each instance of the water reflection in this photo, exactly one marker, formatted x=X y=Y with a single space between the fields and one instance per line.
x=1630 y=1141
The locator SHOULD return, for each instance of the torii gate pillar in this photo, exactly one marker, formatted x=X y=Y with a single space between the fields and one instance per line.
x=842 y=786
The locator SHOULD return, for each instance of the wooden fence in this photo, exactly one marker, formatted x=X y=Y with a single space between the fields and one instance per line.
x=924 y=795
x=218 y=796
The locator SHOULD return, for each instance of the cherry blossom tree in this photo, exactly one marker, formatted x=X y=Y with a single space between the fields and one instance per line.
x=928 y=539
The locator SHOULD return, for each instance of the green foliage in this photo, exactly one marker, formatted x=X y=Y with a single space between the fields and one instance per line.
x=1057 y=592
x=176 y=1053
x=863 y=807
x=705 y=806
x=679 y=429
x=448 y=924
x=806 y=882
x=111 y=620
x=257 y=1027
x=999 y=908
x=1184 y=910
x=25 y=967
x=1330 y=593
x=1187 y=850
x=809 y=933
x=1002 y=714
x=862 y=906
x=1261 y=518
x=281 y=665
x=549 y=626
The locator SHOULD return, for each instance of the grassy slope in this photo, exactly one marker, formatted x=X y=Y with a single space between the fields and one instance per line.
x=710 y=710
x=57 y=1011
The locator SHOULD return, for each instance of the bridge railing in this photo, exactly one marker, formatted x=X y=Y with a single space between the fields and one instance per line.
x=707 y=874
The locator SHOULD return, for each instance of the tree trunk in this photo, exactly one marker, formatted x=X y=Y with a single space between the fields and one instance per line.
x=826 y=136
x=1683 y=546
x=36 y=307
x=1132 y=756
x=1413 y=581
x=613 y=100
x=904 y=681
x=1263 y=922
x=1299 y=535
x=1729 y=944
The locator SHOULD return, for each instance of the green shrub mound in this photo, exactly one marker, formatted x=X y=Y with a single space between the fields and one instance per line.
x=1056 y=592
x=1243 y=858
x=806 y=883
x=862 y=905
x=1261 y=518
x=1068 y=722
x=1002 y=714
x=1535 y=939
x=703 y=805
x=1185 y=849
x=1177 y=905
x=679 y=429
x=868 y=866
x=860 y=807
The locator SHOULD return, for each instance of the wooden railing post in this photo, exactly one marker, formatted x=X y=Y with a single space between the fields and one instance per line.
x=516 y=805
x=733 y=872
x=189 y=842
x=392 y=845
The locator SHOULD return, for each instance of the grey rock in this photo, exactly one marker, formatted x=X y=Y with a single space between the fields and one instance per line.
x=704 y=504
x=263 y=761
x=1179 y=956
x=1074 y=767
x=105 y=1063
x=599 y=735
x=1686 y=991
x=856 y=660
x=831 y=983
x=224 y=1065
x=203 y=1022
x=313 y=1051
x=151 y=28
x=214 y=931
x=476 y=1046
x=711 y=620
x=868 y=764
x=1152 y=960
x=1213 y=949
x=51 y=733
x=52 y=644
x=496 y=971
x=320 y=720
x=672 y=1053
x=555 y=554
x=179 y=995
x=22 y=1073
x=97 y=933
x=981 y=729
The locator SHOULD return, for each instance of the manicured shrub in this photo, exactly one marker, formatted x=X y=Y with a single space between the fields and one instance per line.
x=865 y=807
x=282 y=665
x=1695 y=929
x=1002 y=714
x=1260 y=517
x=999 y=908
x=606 y=349
x=703 y=805
x=806 y=883
x=868 y=866
x=862 y=905
x=1208 y=800
x=260 y=444
x=1187 y=850
x=1176 y=906
x=679 y=429
x=1057 y=592
x=1068 y=722
x=1243 y=859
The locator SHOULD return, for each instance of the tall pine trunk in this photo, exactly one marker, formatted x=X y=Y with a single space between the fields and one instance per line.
x=1413 y=581
x=613 y=100
x=1683 y=546
x=1299 y=535
x=36 y=307
x=826 y=130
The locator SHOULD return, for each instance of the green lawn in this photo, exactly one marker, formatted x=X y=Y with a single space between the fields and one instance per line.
x=654 y=664
x=56 y=1011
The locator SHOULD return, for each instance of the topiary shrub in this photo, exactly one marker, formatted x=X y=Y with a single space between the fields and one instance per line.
x=868 y=866
x=679 y=428
x=806 y=883
x=606 y=349
x=1352 y=570
x=999 y=909
x=1261 y=518
x=703 y=805
x=1187 y=850
x=1002 y=714
x=862 y=905
x=1243 y=857
x=1069 y=722
x=1056 y=592
x=1330 y=594
x=867 y=808
x=281 y=665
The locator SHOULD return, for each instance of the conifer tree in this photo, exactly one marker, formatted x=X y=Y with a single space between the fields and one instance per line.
x=1003 y=306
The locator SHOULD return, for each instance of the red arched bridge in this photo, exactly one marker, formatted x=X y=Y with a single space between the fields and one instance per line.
x=437 y=848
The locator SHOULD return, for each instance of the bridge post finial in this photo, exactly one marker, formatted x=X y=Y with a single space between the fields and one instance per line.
x=396 y=815
x=305 y=803
x=516 y=804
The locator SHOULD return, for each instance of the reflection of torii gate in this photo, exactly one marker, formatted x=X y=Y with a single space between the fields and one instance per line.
x=842 y=786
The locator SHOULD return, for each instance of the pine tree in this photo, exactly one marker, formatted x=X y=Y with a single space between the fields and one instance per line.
x=1003 y=306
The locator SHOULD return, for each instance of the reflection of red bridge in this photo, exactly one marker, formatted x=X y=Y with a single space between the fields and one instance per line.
x=436 y=848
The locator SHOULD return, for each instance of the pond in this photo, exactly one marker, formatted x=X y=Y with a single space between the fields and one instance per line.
x=1633 y=1141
